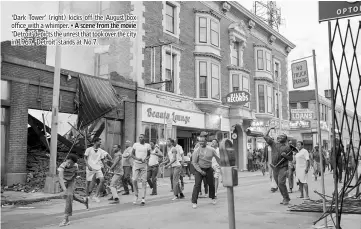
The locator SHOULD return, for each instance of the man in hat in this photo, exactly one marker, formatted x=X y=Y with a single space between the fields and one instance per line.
x=280 y=150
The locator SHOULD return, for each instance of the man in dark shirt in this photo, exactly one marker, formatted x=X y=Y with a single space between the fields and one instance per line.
x=338 y=159
x=279 y=151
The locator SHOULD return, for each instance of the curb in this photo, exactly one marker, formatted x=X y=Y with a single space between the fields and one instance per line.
x=30 y=201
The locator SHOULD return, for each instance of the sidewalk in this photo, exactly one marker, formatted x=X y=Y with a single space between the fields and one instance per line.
x=23 y=198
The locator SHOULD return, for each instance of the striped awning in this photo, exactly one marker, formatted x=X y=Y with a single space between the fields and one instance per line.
x=95 y=97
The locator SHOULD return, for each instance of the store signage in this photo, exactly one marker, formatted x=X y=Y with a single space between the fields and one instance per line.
x=331 y=10
x=324 y=126
x=161 y=115
x=300 y=74
x=238 y=98
x=302 y=114
x=300 y=125
x=169 y=124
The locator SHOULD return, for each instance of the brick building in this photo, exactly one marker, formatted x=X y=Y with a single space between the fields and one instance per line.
x=193 y=54
x=26 y=83
x=307 y=130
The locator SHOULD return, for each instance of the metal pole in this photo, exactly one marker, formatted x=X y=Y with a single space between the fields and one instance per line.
x=51 y=180
x=319 y=133
x=231 y=213
x=333 y=140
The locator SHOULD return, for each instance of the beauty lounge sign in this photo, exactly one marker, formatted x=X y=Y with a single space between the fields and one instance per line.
x=158 y=114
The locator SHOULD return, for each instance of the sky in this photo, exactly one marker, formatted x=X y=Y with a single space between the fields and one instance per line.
x=300 y=26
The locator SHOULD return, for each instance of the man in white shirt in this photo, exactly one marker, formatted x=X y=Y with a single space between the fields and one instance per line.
x=94 y=157
x=181 y=160
x=140 y=154
x=153 y=167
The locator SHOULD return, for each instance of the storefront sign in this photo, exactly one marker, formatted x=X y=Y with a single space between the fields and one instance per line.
x=330 y=10
x=300 y=125
x=158 y=114
x=302 y=114
x=238 y=98
x=300 y=74
x=324 y=126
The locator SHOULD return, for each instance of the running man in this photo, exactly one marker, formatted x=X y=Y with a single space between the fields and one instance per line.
x=140 y=154
x=118 y=173
x=215 y=165
x=94 y=157
x=127 y=164
x=153 y=167
x=174 y=161
x=67 y=178
x=202 y=162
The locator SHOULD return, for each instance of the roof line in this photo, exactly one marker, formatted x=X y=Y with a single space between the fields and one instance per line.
x=262 y=24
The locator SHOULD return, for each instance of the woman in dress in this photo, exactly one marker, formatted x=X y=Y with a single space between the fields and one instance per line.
x=302 y=167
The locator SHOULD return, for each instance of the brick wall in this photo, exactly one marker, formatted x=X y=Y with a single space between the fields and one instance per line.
x=16 y=159
x=32 y=53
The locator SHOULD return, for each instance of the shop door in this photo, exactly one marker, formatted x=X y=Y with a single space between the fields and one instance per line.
x=113 y=130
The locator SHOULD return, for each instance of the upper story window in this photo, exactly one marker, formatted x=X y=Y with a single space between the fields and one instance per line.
x=169 y=71
x=170 y=22
x=235 y=54
x=264 y=62
x=277 y=71
x=171 y=18
x=268 y=61
x=260 y=62
x=208 y=78
x=277 y=107
x=207 y=30
x=238 y=34
x=265 y=98
x=171 y=68
x=214 y=33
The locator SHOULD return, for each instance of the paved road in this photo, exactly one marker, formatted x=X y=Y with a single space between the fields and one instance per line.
x=256 y=207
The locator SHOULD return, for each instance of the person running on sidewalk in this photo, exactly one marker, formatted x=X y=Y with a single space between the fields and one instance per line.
x=204 y=179
x=302 y=168
x=127 y=163
x=215 y=166
x=68 y=172
x=279 y=151
x=174 y=162
x=140 y=154
x=94 y=157
x=153 y=167
x=202 y=161
x=118 y=173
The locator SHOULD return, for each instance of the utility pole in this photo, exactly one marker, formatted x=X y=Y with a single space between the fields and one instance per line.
x=51 y=182
x=319 y=133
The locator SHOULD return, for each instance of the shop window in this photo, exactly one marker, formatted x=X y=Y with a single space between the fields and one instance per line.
x=171 y=12
x=293 y=105
x=304 y=105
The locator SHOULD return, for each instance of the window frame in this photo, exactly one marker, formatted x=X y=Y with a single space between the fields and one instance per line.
x=260 y=67
x=176 y=68
x=268 y=61
x=176 y=20
x=261 y=98
x=235 y=53
x=168 y=4
x=206 y=77
x=269 y=96
x=217 y=32
x=209 y=62
x=173 y=63
x=279 y=78
x=214 y=78
x=199 y=30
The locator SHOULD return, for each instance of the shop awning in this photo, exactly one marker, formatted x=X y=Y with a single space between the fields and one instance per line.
x=95 y=97
x=255 y=134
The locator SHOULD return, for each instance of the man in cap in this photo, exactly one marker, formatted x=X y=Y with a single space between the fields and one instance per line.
x=280 y=150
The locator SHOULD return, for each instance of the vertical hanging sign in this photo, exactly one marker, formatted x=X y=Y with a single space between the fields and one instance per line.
x=300 y=74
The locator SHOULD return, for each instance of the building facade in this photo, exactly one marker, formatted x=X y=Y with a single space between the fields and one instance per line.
x=194 y=54
x=306 y=129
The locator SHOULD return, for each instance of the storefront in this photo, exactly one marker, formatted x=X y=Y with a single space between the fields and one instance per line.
x=159 y=123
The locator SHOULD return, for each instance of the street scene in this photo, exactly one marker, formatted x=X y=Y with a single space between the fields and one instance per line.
x=173 y=114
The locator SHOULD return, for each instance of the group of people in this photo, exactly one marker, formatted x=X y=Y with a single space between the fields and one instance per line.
x=140 y=162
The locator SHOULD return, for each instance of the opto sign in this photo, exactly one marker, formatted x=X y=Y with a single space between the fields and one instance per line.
x=238 y=98
x=302 y=114
x=300 y=74
x=331 y=10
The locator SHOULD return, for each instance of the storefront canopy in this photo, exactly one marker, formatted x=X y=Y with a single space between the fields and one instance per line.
x=95 y=97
